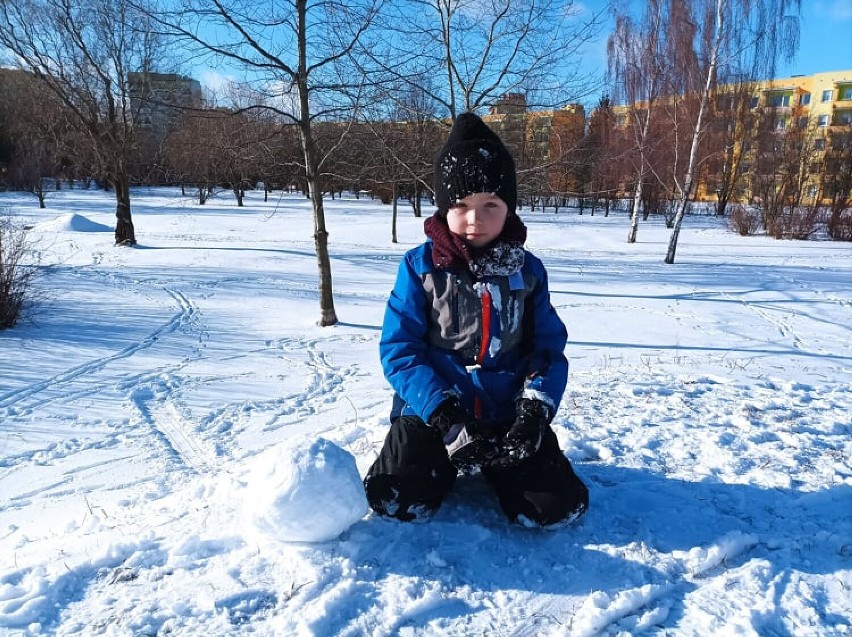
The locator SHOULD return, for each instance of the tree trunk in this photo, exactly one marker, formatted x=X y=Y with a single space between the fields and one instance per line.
x=686 y=192
x=393 y=222
x=634 y=216
x=125 y=235
x=312 y=163
x=327 y=314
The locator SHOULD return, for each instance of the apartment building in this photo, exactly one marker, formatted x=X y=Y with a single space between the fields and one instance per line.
x=158 y=99
x=544 y=143
x=811 y=111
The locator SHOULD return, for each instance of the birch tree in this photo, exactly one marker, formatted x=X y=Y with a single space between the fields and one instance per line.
x=639 y=67
x=731 y=38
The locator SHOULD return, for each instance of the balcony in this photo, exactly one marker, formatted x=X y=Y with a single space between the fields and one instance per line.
x=844 y=91
x=779 y=99
x=842 y=116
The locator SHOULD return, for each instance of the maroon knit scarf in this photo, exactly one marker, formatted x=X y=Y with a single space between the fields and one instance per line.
x=450 y=252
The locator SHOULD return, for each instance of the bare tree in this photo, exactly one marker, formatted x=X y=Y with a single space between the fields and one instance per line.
x=83 y=53
x=474 y=52
x=296 y=51
x=639 y=66
x=729 y=135
x=836 y=181
x=33 y=135
x=727 y=38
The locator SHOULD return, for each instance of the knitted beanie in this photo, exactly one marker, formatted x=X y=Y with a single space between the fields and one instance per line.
x=473 y=159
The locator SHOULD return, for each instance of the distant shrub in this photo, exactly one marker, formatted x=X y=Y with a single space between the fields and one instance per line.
x=840 y=225
x=744 y=221
x=795 y=223
x=15 y=274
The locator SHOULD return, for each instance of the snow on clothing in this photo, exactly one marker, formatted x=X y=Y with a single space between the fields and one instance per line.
x=488 y=340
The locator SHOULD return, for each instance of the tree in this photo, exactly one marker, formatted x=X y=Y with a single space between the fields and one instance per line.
x=32 y=135
x=299 y=52
x=785 y=168
x=600 y=155
x=83 y=53
x=639 y=59
x=836 y=181
x=723 y=38
x=465 y=55
x=729 y=135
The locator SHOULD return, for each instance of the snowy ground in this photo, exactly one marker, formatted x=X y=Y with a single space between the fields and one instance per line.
x=158 y=408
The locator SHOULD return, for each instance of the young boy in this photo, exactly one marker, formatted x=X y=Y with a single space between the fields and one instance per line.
x=474 y=351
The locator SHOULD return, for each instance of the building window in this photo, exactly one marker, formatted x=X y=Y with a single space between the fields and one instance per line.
x=803 y=122
x=805 y=99
x=776 y=101
x=823 y=120
x=754 y=102
x=826 y=95
x=819 y=144
x=812 y=191
x=847 y=93
x=746 y=146
x=844 y=118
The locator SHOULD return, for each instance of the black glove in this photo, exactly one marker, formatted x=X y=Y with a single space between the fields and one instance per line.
x=524 y=436
x=462 y=435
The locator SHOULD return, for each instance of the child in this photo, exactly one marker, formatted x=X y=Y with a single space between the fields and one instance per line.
x=474 y=351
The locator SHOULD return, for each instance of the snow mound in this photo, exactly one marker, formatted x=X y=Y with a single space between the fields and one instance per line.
x=304 y=492
x=72 y=222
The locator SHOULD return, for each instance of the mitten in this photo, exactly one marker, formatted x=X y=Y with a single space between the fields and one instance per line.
x=524 y=436
x=461 y=434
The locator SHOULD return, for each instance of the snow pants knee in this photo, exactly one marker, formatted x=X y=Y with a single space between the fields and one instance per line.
x=413 y=474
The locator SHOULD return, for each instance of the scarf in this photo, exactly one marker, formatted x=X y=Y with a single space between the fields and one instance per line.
x=502 y=257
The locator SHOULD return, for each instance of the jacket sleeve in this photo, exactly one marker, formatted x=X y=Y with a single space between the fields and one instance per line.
x=547 y=369
x=403 y=347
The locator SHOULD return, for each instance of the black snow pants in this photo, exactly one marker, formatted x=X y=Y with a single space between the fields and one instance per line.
x=413 y=474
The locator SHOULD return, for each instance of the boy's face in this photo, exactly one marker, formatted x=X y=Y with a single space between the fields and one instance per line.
x=478 y=218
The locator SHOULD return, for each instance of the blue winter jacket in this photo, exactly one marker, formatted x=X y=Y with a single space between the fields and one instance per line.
x=432 y=339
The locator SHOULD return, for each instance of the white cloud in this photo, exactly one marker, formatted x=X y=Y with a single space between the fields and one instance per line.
x=216 y=82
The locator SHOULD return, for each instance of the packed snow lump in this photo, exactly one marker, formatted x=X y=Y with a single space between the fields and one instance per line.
x=305 y=492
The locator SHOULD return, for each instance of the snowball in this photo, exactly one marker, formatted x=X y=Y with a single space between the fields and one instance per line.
x=308 y=492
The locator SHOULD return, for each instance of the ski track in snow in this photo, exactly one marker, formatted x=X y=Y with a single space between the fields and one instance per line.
x=13 y=400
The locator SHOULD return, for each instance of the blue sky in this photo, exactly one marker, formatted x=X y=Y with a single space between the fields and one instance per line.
x=825 y=37
x=825 y=42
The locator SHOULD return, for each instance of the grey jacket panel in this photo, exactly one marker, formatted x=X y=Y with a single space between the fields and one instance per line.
x=456 y=311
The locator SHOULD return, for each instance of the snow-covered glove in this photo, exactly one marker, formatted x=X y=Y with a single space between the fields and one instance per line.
x=524 y=436
x=462 y=435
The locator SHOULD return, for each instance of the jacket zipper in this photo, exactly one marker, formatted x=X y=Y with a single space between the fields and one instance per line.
x=485 y=297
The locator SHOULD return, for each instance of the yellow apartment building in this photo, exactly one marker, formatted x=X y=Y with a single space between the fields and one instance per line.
x=820 y=103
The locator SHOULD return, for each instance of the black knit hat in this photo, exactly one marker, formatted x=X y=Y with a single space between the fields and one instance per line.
x=473 y=159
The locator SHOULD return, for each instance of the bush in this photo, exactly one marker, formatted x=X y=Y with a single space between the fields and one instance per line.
x=840 y=225
x=744 y=221
x=795 y=223
x=15 y=274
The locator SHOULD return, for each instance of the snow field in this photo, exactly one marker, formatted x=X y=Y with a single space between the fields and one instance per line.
x=158 y=413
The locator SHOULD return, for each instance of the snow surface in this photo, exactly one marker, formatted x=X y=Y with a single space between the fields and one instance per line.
x=172 y=419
